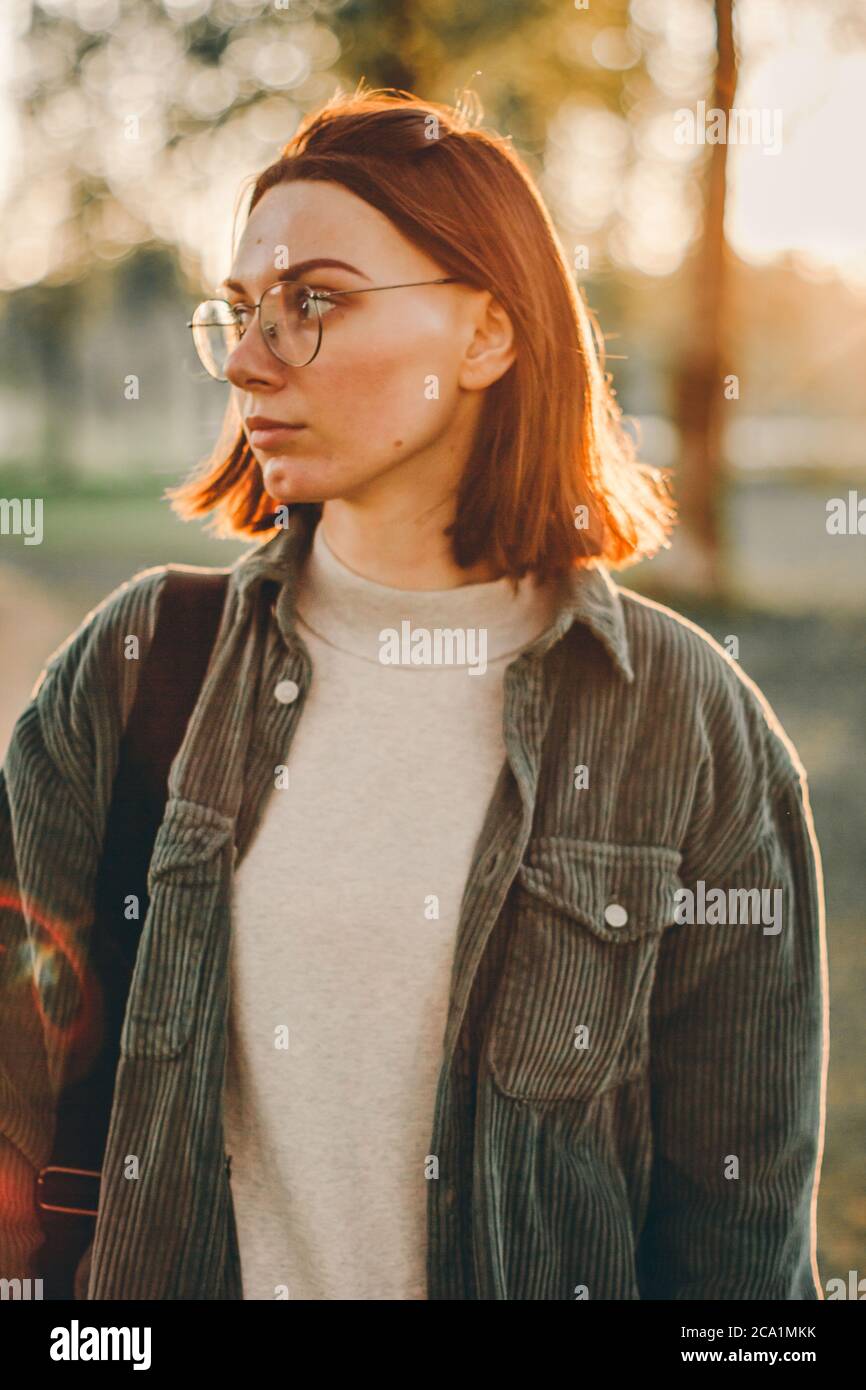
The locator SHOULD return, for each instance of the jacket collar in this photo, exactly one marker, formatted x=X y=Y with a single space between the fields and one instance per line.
x=588 y=594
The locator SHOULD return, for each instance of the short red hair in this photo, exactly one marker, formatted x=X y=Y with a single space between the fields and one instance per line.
x=550 y=437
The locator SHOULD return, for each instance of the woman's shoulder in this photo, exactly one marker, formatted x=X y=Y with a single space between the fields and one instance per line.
x=743 y=771
x=705 y=686
x=71 y=726
x=91 y=679
x=116 y=630
x=84 y=694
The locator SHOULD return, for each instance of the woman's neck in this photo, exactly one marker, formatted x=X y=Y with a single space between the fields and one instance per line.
x=408 y=553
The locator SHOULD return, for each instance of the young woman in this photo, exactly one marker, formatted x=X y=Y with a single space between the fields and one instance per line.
x=484 y=956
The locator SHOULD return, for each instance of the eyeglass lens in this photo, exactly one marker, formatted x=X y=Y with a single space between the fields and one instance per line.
x=290 y=321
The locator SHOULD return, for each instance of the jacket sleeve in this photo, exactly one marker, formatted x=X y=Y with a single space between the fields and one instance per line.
x=738 y=1038
x=55 y=788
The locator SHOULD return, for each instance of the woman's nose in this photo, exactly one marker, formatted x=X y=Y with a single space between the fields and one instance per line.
x=252 y=360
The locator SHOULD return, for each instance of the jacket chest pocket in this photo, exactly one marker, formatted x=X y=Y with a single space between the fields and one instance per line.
x=189 y=869
x=570 y=1017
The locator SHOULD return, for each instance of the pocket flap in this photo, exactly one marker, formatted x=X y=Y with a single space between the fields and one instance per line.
x=621 y=892
x=189 y=845
x=189 y=873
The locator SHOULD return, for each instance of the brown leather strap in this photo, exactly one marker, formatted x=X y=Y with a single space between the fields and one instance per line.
x=189 y=612
x=168 y=687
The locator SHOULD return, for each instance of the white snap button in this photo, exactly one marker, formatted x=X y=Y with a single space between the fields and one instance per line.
x=615 y=915
x=286 y=692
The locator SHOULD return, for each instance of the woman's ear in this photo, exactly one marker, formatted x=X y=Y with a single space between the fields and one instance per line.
x=491 y=349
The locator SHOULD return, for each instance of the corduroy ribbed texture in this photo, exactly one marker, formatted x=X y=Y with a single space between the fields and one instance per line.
x=630 y=1105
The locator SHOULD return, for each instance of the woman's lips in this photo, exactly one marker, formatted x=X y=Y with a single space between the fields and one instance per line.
x=274 y=436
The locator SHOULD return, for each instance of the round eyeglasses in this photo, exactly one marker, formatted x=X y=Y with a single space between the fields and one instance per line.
x=290 y=322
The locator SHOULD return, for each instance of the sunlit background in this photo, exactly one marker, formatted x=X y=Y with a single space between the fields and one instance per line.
x=729 y=279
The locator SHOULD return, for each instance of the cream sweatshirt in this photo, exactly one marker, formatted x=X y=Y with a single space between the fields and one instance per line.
x=345 y=913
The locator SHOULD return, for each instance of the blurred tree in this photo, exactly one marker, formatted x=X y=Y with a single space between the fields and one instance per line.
x=39 y=328
x=524 y=58
x=107 y=101
x=700 y=379
x=134 y=117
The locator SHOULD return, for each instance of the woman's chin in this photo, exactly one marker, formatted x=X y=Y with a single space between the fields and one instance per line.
x=288 y=479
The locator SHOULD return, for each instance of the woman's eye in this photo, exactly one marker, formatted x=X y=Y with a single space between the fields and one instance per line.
x=318 y=301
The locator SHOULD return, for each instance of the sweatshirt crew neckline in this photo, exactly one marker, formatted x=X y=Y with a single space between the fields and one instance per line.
x=351 y=612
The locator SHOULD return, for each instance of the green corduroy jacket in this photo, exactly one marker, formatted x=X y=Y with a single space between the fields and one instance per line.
x=630 y=1104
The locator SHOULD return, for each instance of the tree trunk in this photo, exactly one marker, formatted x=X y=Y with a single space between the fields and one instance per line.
x=700 y=385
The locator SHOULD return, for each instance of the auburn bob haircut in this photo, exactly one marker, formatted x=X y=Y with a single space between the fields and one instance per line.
x=552 y=479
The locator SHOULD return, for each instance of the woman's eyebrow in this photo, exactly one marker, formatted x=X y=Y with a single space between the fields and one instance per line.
x=294 y=272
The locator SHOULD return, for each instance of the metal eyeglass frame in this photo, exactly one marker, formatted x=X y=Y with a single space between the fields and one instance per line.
x=313 y=295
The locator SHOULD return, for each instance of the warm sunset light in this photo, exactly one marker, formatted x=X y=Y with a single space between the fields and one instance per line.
x=432 y=656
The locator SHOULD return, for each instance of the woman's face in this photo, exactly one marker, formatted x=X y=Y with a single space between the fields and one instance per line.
x=393 y=397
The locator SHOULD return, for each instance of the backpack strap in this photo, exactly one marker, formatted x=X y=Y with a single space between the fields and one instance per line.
x=190 y=607
x=169 y=683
